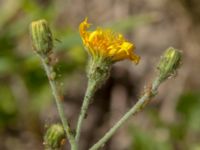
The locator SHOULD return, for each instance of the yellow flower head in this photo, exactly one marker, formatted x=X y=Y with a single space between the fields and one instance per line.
x=105 y=43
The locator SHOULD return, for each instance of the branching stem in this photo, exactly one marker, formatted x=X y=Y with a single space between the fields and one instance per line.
x=136 y=108
x=51 y=76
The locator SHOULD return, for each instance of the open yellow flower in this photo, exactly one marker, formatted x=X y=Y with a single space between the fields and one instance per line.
x=105 y=43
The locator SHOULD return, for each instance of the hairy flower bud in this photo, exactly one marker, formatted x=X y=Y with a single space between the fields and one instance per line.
x=54 y=136
x=41 y=37
x=169 y=63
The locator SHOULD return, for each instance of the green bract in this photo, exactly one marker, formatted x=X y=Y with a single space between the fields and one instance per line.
x=41 y=36
x=169 y=63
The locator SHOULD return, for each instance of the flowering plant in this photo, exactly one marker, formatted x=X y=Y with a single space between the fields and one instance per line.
x=105 y=48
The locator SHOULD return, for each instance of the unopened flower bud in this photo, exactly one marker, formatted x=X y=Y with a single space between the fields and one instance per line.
x=169 y=63
x=54 y=136
x=41 y=37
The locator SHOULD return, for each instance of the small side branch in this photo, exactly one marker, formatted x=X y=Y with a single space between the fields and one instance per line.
x=51 y=76
x=136 y=108
x=86 y=102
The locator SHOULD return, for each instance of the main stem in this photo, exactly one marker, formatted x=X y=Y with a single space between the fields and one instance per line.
x=136 y=108
x=86 y=102
x=57 y=96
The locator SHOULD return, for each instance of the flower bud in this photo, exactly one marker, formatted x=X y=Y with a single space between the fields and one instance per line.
x=41 y=37
x=169 y=63
x=54 y=136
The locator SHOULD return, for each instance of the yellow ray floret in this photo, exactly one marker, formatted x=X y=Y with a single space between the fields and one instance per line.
x=105 y=43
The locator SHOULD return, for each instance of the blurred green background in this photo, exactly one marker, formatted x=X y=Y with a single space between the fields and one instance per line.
x=170 y=122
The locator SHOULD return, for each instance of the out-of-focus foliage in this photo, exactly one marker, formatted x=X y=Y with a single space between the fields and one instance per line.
x=24 y=91
x=18 y=61
x=181 y=134
x=23 y=82
x=145 y=141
